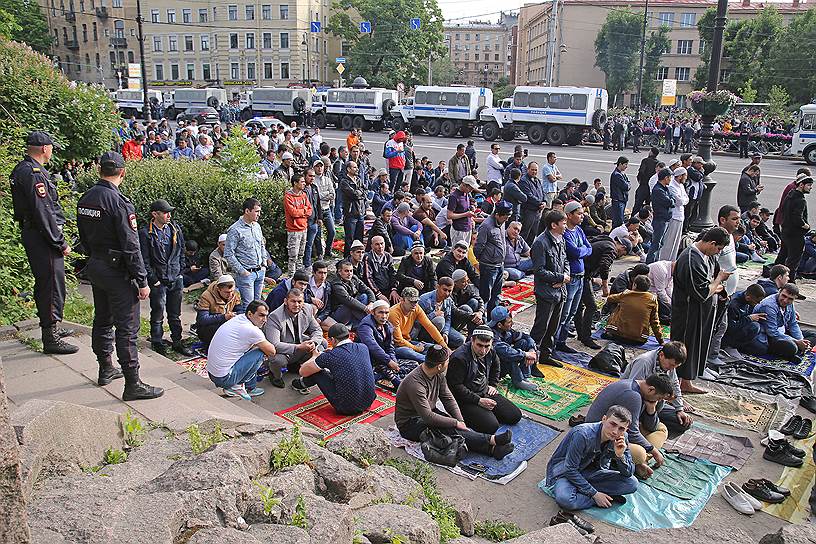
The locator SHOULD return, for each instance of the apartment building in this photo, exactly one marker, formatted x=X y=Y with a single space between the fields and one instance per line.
x=194 y=42
x=577 y=23
x=481 y=52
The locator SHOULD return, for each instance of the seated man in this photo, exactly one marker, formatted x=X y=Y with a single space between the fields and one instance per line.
x=517 y=261
x=407 y=230
x=661 y=284
x=318 y=293
x=377 y=333
x=343 y=374
x=630 y=231
x=664 y=359
x=625 y=280
x=779 y=333
x=635 y=312
x=517 y=350
x=416 y=270
x=350 y=298
x=356 y=258
x=379 y=273
x=743 y=323
x=778 y=277
x=299 y=280
x=432 y=234
x=215 y=307
x=438 y=304
x=409 y=320
x=468 y=307
x=456 y=258
x=237 y=350
x=416 y=411
x=592 y=466
x=193 y=271
x=472 y=377
x=382 y=227
x=218 y=264
x=646 y=433
x=295 y=333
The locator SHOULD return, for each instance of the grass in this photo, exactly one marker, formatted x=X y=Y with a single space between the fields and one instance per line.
x=289 y=451
x=202 y=441
x=133 y=429
x=77 y=309
x=191 y=297
x=300 y=518
x=32 y=343
x=497 y=531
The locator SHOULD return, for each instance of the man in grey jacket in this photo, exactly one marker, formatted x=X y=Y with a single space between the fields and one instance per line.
x=531 y=209
x=489 y=249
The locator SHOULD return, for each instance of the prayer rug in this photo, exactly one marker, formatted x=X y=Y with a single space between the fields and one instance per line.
x=763 y=379
x=577 y=359
x=682 y=477
x=576 y=379
x=319 y=415
x=704 y=442
x=522 y=291
x=514 y=306
x=735 y=407
x=650 y=508
x=796 y=508
x=804 y=367
x=386 y=384
x=558 y=404
x=197 y=365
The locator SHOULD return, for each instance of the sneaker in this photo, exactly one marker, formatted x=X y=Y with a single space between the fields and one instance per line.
x=791 y=425
x=257 y=392
x=276 y=382
x=299 y=386
x=781 y=455
x=535 y=372
x=526 y=386
x=755 y=257
x=237 y=391
x=803 y=430
x=793 y=450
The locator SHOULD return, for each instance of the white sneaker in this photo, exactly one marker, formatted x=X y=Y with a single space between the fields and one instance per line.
x=772 y=435
x=736 y=498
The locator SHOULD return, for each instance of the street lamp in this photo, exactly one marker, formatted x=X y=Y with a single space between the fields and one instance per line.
x=702 y=220
x=642 y=54
x=308 y=73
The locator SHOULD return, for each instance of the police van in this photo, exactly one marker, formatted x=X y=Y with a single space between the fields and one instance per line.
x=131 y=101
x=358 y=106
x=196 y=98
x=557 y=115
x=804 y=134
x=442 y=110
x=282 y=103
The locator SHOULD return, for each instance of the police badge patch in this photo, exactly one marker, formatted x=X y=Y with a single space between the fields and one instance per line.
x=41 y=191
x=132 y=219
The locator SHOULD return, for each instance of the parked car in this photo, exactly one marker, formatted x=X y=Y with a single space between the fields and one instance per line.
x=268 y=122
x=203 y=116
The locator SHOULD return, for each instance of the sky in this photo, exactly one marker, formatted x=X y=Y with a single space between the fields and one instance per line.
x=465 y=10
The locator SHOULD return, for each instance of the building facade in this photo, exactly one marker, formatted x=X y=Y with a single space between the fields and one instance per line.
x=481 y=53
x=570 y=56
x=194 y=43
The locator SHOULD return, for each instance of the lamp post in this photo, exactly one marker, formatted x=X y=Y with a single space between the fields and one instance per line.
x=702 y=220
x=642 y=55
x=308 y=74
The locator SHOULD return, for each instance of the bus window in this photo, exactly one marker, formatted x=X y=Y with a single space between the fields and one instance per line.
x=334 y=96
x=463 y=99
x=448 y=99
x=521 y=100
x=368 y=97
x=578 y=102
x=539 y=100
x=433 y=98
x=420 y=97
x=560 y=101
x=809 y=121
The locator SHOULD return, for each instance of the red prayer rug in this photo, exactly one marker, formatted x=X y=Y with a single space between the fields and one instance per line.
x=520 y=292
x=319 y=415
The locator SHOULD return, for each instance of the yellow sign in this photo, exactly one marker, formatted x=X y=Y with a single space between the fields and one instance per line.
x=341 y=69
x=669 y=95
x=134 y=83
x=240 y=82
x=134 y=69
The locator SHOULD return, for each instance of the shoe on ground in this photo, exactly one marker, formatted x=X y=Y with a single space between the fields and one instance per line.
x=759 y=491
x=62 y=333
x=139 y=390
x=590 y=343
x=793 y=450
x=791 y=425
x=502 y=451
x=784 y=491
x=733 y=496
x=525 y=385
x=757 y=258
x=257 y=392
x=781 y=455
x=160 y=348
x=59 y=347
x=576 y=420
x=564 y=516
x=276 y=382
x=563 y=348
x=237 y=390
x=107 y=374
x=181 y=349
x=535 y=372
x=803 y=430
x=552 y=362
x=299 y=386
x=618 y=499
x=572 y=334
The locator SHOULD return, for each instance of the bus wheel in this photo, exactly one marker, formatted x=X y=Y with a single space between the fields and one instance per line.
x=490 y=131
x=346 y=122
x=535 y=134
x=448 y=128
x=556 y=135
x=432 y=127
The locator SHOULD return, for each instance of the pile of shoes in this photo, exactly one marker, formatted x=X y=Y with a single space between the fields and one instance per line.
x=797 y=427
x=581 y=525
x=746 y=500
x=779 y=450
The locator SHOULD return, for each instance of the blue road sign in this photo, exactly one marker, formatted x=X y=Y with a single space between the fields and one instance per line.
x=315 y=26
x=416 y=23
x=365 y=27
x=340 y=60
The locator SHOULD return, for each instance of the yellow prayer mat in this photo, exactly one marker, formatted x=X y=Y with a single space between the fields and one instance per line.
x=576 y=379
x=795 y=508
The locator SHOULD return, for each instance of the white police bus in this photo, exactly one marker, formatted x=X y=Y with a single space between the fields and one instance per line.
x=804 y=134
x=557 y=115
x=357 y=106
x=131 y=101
x=285 y=104
x=442 y=111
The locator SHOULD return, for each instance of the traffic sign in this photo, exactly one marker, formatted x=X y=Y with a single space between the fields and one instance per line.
x=315 y=26
x=400 y=87
x=365 y=27
x=340 y=69
x=416 y=22
x=341 y=60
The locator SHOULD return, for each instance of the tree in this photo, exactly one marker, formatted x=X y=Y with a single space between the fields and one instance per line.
x=617 y=51
x=503 y=89
x=705 y=26
x=8 y=24
x=747 y=92
x=392 y=52
x=657 y=44
x=31 y=26
x=746 y=48
x=443 y=72
x=778 y=100
x=791 y=64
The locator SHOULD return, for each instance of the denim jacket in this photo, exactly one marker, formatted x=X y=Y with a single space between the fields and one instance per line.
x=427 y=302
x=246 y=246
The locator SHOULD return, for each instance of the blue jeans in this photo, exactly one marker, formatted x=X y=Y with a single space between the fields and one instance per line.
x=249 y=287
x=660 y=226
x=245 y=371
x=574 y=290
x=520 y=270
x=311 y=233
x=518 y=370
x=166 y=298
x=328 y=222
x=403 y=242
x=395 y=176
x=455 y=338
x=610 y=482
x=353 y=225
x=490 y=284
x=404 y=352
x=618 y=210
x=348 y=316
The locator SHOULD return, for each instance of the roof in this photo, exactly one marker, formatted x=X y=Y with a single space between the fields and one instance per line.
x=785 y=7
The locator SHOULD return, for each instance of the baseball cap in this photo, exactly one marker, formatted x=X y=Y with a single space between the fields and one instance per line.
x=458 y=274
x=222 y=238
x=502 y=207
x=286 y=155
x=224 y=278
x=625 y=242
x=357 y=244
x=318 y=161
x=499 y=314
x=40 y=138
x=112 y=159
x=161 y=205
x=461 y=243
x=410 y=293
x=664 y=173
x=571 y=206
x=470 y=180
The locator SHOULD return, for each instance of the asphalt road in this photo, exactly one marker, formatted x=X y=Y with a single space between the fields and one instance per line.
x=589 y=162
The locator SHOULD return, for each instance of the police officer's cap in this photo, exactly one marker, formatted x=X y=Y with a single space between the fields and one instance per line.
x=38 y=138
x=112 y=159
x=161 y=205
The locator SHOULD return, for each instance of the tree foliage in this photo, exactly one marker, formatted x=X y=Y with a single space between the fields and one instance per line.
x=778 y=100
x=30 y=24
x=503 y=89
x=443 y=72
x=747 y=91
x=792 y=62
x=617 y=51
x=392 y=52
x=657 y=44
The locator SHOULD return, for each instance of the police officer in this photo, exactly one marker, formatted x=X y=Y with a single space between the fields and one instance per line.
x=107 y=228
x=162 y=244
x=37 y=208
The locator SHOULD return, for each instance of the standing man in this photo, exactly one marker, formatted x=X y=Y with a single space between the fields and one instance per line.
x=578 y=248
x=460 y=211
x=662 y=208
x=596 y=265
x=645 y=172
x=531 y=209
x=795 y=224
x=490 y=249
x=298 y=211
x=246 y=253
x=162 y=245
x=324 y=184
x=551 y=273
x=37 y=209
x=729 y=219
x=107 y=226
x=550 y=176
x=619 y=190
x=459 y=165
x=315 y=219
x=354 y=206
x=495 y=168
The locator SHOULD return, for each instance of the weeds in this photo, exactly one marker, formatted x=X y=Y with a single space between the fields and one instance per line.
x=300 y=518
x=133 y=429
x=497 y=531
x=268 y=498
x=395 y=538
x=202 y=441
x=31 y=343
x=77 y=309
x=289 y=451
x=114 y=457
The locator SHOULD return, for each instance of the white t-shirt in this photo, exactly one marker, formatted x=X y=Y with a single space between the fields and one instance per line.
x=620 y=232
x=317 y=139
x=728 y=263
x=231 y=341
x=263 y=141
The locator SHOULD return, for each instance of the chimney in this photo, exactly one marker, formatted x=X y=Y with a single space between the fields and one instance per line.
x=746 y=3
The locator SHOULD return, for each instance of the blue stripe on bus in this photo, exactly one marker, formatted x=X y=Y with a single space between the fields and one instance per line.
x=351 y=106
x=803 y=135
x=539 y=112
x=441 y=108
x=262 y=103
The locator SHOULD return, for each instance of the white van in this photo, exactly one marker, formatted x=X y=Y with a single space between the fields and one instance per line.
x=282 y=103
x=196 y=98
x=804 y=134
x=557 y=115
x=442 y=110
x=362 y=108
x=131 y=101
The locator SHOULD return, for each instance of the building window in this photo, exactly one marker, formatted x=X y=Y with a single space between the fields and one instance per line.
x=235 y=70
x=662 y=73
x=250 y=13
x=467 y=37
x=116 y=3
x=250 y=40
x=688 y=20
x=98 y=61
x=284 y=40
x=95 y=32
x=112 y=60
x=232 y=13
x=202 y=15
x=188 y=43
x=250 y=70
x=171 y=16
x=284 y=13
x=205 y=43
x=477 y=37
x=154 y=16
x=87 y=62
x=682 y=74
x=205 y=71
x=496 y=57
x=157 y=43
x=190 y=71
x=186 y=16
x=684 y=47
x=174 y=72
x=234 y=40
x=172 y=43
x=476 y=56
x=268 y=70
x=118 y=29
x=266 y=12
x=284 y=70
x=666 y=18
x=85 y=33
x=158 y=71
x=267 y=40
x=457 y=36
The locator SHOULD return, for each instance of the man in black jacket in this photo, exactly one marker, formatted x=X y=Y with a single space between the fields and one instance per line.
x=456 y=259
x=597 y=265
x=473 y=374
x=795 y=225
x=379 y=273
x=382 y=227
x=351 y=299
x=645 y=172
x=162 y=245
x=619 y=190
x=354 y=205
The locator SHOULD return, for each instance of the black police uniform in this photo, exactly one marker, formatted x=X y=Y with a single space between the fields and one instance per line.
x=108 y=230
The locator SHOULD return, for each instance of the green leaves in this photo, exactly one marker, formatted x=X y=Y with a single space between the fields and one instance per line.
x=617 y=51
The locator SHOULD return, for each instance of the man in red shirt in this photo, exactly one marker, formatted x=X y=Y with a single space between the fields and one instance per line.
x=132 y=150
x=298 y=209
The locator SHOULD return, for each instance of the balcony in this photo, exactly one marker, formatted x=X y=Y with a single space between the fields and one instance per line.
x=118 y=42
x=70 y=16
x=73 y=45
x=102 y=12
